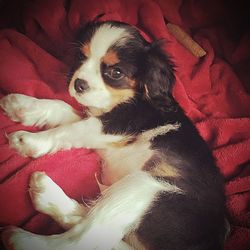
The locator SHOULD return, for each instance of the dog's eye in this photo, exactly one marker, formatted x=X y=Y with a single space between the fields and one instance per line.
x=114 y=73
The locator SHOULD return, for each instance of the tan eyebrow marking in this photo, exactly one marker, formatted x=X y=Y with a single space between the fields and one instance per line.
x=111 y=58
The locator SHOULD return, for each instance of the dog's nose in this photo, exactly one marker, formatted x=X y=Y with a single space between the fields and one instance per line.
x=80 y=85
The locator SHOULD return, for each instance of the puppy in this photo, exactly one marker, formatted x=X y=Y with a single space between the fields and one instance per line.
x=162 y=187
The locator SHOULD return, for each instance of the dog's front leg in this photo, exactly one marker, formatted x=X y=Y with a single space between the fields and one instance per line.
x=85 y=133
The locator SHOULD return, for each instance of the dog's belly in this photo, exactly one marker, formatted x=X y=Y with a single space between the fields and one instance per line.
x=120 y=161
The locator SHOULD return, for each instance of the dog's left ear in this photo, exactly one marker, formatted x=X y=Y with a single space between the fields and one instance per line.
x=157 y=76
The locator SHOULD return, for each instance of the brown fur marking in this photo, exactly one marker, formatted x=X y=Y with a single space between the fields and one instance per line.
x=111 y=58
x=134 y=242
x=158 y=168
x=164 y=170
x=127 y=140
x=120 y=95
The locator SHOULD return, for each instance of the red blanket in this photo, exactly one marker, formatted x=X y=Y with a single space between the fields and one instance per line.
x=36 y=52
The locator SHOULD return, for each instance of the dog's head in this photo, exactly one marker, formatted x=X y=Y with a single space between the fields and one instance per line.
x=115 y=64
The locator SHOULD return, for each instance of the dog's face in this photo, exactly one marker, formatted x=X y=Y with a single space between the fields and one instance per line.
x=115 y=63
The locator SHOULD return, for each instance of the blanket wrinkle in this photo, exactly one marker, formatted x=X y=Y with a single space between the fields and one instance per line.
x=36 y=51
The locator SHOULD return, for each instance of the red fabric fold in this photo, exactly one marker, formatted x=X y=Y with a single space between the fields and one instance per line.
x=35 y=54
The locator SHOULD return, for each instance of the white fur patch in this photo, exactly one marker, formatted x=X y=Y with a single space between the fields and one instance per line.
x=121 y=161
x=104 y=38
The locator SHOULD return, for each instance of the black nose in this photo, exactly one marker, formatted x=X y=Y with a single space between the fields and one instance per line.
x=80 y=85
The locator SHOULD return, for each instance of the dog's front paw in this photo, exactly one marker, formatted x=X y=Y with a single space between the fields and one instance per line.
x=19 y=108
x=31 y=111
x=29 y=144
x=18 y=239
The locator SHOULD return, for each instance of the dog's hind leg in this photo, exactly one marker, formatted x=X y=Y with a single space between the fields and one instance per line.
x=38 y=112
x=118 y=212
x=48 y=198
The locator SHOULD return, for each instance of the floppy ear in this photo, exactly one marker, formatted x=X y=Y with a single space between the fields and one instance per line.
x=158 y=77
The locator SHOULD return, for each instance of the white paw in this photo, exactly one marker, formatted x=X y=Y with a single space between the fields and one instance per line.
x=47 y=197
x=39 y=112
x=21 y=108
x=29 y=144
x=44 y=193
x=19 y=239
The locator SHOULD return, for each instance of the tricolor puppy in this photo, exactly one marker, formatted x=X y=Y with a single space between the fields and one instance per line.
x=162 y=187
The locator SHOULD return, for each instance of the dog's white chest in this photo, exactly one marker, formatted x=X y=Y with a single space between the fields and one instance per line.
x=121 y=161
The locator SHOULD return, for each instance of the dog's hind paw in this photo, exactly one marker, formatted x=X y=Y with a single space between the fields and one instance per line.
x=15 y=238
